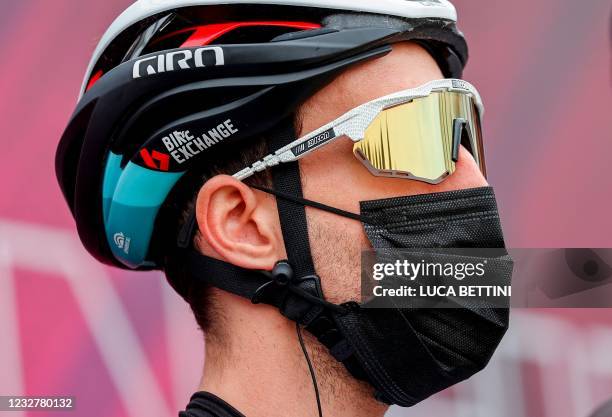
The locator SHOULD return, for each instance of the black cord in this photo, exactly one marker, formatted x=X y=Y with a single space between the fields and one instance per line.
x=310 y=368
x=313 y=204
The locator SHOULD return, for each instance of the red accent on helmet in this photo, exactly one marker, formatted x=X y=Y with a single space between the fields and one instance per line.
x=94 y=78
x=206 y=34
x=150 y=158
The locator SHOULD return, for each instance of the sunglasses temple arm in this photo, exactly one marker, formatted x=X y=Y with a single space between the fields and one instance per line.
x=459 y=126
x=290 y=153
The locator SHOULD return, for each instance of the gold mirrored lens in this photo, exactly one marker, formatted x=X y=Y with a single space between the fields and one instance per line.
x=415 y=139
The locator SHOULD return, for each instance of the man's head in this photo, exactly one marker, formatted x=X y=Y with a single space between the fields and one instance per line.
x=189 y=109
x=240 y=225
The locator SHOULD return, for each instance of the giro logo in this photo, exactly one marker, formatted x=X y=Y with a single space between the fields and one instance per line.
x=179 y=60
x=150 y=158
x=122 y=242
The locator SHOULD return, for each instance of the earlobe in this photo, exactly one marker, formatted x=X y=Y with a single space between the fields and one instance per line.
x=239 y=224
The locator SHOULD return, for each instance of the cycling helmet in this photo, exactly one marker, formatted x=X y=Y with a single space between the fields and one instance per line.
x=223 y=71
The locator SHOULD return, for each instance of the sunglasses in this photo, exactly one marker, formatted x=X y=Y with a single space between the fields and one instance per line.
x=414 y=134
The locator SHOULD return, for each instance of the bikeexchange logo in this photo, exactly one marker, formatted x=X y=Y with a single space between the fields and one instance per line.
x=182 y=145
x=122 y=242
x=183 y=59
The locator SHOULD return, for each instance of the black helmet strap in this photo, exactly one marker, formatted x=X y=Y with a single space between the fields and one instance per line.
x=287 y=180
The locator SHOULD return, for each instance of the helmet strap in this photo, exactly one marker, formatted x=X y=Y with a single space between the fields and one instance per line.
x=287 y=180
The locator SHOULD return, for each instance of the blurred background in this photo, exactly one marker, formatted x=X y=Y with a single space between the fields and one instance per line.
x=126 y=346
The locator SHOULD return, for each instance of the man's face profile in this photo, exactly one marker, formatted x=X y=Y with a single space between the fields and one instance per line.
x=240 y=225
x=333 y=176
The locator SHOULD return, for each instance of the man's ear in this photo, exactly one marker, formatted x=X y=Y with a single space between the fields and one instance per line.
x=240 y=224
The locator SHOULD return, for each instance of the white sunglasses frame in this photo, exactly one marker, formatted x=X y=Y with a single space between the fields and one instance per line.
x=354 y=123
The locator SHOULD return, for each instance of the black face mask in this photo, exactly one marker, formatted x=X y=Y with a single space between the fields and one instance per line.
x=406 y=354
x=409 y=354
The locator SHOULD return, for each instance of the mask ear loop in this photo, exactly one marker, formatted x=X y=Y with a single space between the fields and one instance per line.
x=314 y=204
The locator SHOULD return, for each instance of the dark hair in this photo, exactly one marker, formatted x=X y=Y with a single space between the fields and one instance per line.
x=194 y=291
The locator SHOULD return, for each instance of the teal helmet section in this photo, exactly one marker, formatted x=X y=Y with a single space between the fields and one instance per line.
x=132 y=198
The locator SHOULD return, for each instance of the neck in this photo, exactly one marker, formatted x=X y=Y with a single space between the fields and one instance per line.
x=258 y=367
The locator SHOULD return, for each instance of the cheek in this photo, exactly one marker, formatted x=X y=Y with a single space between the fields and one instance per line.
x=467 y=174
x=334 y=177
x=336 y=246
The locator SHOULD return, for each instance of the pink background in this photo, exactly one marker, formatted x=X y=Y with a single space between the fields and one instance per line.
x=124 y=345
